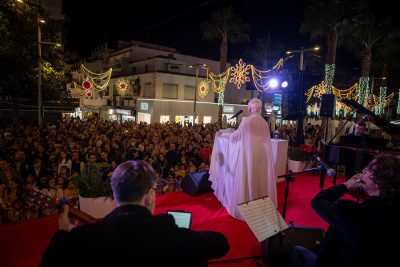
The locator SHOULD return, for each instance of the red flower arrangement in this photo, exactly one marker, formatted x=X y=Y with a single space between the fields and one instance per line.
x=302 y=152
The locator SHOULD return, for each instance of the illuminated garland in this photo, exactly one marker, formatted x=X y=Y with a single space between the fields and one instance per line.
x=98 y=81
x=368 y=98
x=77 y=91
x=203 y=88
x=363 y=84
x=261 y=77
x=329 y=74
x=122 y=86
x=382 y=95
x=240 y=75
x=389 y=99
x=219 y=81
x=398 y=103
x=221 y=99
x=92 y=82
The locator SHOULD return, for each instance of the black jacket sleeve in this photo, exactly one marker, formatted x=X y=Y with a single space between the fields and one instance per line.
x=56 y=252
x=325 y=202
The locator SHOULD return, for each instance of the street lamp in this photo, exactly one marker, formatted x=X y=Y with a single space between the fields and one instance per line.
x=301 y=51
x=39 y=45
x=203 y=66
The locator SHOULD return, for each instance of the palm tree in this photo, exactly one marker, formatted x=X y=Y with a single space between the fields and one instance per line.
x=366 y=34
x=327 y=19
x=225 y=26
x=266 y=53
x=385 y=62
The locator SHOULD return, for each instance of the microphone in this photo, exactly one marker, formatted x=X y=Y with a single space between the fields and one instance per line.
x=236 y=114
x=329 y=171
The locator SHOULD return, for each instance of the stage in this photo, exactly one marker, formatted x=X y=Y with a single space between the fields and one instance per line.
x=22 y=244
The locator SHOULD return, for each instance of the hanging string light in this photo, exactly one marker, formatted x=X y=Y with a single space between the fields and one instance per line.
x=98 y=81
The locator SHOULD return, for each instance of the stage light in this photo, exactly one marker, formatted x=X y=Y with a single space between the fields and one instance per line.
x=273 y=83
x=284 y=84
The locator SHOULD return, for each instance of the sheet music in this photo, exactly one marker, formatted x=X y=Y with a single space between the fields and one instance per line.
x=262 y=217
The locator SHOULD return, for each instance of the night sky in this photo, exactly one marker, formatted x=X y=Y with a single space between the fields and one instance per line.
x=176 y=24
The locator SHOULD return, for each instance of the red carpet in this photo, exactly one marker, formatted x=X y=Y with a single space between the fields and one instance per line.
x=22 y=244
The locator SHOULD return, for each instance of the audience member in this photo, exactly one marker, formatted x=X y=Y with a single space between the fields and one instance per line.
x=130 y=234
x=359 y=234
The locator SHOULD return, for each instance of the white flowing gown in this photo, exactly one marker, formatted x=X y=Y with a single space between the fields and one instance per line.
x=242 y=165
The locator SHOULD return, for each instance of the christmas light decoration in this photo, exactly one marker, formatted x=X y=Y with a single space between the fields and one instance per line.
x=382 y=95
x=240 y=74
x=221 y=99
x=219 y=81
x=98 y=81
x=329 y=74
x=398 y=103
x=203 y=88
x=77 y=91
x=363 y=84
x=93 y=82
x=261 y=77
x=122 y=86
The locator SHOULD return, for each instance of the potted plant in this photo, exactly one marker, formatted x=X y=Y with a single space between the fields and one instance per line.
x=95 y=194
x=298 y=157
x=297 y=154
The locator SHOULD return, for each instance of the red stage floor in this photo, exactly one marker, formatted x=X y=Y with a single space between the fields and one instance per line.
x=22 y=244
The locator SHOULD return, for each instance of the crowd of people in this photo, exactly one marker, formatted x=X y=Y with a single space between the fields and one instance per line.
x=49 y=160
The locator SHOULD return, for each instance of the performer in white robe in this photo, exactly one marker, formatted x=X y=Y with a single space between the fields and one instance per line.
x=242 y=164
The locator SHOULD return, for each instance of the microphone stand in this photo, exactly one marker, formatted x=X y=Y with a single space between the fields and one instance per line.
x=272 y=247
x=326 y=151
x=289 y=177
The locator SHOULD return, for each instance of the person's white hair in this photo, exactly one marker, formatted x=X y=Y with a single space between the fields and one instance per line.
x=255 y=105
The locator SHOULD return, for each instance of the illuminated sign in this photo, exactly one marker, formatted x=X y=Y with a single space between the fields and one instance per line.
x=229 y=109
x=123 y=111
x=144 y=106
x=277 y=100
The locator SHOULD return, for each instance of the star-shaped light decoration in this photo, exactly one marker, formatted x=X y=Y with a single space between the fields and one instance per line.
x=240 y=74
x=122 y=86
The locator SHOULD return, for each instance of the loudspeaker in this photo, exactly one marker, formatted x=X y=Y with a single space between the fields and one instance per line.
x=290 y=106
x=327 y=108
x=276 y=250
x=196 y=183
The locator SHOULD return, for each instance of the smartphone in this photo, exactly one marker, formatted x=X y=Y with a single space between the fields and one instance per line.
x=183 y=219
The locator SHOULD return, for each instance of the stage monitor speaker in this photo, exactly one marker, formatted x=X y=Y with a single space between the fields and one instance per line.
x=196 y=183
x=327 y=108
x=276 y=250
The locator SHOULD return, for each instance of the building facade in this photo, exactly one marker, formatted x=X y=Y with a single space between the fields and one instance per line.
x=162 y=86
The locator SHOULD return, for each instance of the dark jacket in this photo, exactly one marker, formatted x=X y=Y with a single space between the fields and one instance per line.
x=131 y=236
x=360 y=234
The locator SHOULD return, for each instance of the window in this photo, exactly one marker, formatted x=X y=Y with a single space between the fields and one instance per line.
x=189 y=92
x=164 y=118
x=170 y=90
x=148 y=90
x=207 y=119
x=144 y=117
